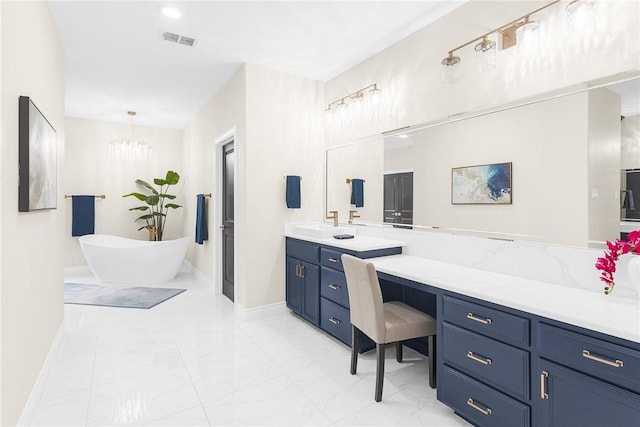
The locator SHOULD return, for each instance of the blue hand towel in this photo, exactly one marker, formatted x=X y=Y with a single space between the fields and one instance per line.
x=84 y=215
x=202 y=233
x=293 y=192
x=628 y=201
x=357 y=192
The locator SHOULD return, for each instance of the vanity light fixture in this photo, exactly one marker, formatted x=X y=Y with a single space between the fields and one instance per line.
x=485 y=54
x=528 y=36
x=355 y=99
x=171 y=12
x=581 y=17
x=130 y=148
x=522 y=30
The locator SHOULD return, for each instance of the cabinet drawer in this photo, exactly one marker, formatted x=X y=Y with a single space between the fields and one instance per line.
x=495 y=363
x=610 y=362
x=478 y=403
x=331 y=258
x=334 y=286
x=303 y=250
x=335 y=320
x=487 y=321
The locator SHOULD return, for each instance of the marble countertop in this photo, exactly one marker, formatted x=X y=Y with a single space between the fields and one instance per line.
x=358 y=243
x=608 y=314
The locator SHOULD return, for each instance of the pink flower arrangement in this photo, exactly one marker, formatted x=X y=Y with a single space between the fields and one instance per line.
x=617 y=248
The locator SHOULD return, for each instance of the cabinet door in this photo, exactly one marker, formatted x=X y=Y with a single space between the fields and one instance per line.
x=294 y=285
x=568 y=398
x=310 y=309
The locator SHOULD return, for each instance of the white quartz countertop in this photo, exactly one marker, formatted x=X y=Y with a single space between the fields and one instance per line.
x=608 y=314
x=358 y=243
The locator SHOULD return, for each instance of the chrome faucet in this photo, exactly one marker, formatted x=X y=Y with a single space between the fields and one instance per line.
x=352 y=215
x=334 y=217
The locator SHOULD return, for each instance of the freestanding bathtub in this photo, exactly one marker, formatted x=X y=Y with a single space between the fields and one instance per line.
x=115 y=259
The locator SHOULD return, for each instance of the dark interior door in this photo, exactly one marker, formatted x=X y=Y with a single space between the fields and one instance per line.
x=228 y=168
x=398 y=198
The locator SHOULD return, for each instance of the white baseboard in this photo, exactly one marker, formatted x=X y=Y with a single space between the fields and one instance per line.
x=200 y=275
x=258 y=312
x=28 y=412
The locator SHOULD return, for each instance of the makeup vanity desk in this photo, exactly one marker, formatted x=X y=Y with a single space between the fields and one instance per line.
x=519 y=352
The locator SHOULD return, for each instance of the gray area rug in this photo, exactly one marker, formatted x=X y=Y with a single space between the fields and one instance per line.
x=112 y=296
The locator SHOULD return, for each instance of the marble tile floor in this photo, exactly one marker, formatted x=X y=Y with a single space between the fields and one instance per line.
x=191 y=361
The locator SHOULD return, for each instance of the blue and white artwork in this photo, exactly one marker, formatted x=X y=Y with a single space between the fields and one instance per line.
x=483 y=184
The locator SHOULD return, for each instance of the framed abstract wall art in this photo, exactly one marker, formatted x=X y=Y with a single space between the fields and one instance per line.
x=37 y=158
x=482 y=184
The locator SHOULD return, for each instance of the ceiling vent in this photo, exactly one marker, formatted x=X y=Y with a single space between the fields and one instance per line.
x=176 y=38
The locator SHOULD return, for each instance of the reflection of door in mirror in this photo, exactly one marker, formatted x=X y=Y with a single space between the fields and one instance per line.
x=631 y=191
x=398 y=198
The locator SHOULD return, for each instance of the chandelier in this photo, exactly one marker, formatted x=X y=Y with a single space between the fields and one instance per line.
x=130 y=148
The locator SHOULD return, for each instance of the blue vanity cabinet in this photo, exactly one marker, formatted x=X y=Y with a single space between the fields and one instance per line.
x=484 y=363
x=585 y=380
x=571 y=399
x=503 y=367
x=321 y=296
x=303 y=279
x=334 y=297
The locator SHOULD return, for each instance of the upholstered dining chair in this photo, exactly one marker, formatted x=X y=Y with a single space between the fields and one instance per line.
x=383 y=322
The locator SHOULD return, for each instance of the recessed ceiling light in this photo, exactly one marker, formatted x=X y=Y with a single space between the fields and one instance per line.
x=171 y=12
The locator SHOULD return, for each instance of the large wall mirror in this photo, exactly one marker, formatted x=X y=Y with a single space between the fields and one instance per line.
x=573 y=156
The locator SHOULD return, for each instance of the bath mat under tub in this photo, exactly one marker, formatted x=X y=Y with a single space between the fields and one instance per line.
x=113 y=296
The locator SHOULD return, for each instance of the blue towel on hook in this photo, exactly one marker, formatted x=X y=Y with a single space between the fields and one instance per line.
x=357 y=192
x=202 y=233
x=293 y=192
x=83 y=215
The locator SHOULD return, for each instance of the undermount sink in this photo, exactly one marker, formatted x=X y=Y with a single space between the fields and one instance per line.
x=322 y=230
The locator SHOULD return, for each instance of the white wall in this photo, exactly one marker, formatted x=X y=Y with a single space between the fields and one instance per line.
x=630 y=136
x=278 y=132
x=223 y=113
x=409 y=72
x=31 y=244
x=284 y=137
x=91 y=170
x=604 y=164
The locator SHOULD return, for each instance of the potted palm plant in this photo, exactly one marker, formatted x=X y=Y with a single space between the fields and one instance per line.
x=156 y=207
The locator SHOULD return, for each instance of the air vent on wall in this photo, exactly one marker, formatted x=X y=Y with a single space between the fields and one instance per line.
x=176 y=38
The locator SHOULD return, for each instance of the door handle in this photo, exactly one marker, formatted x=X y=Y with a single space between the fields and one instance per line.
x=483 y=360
x=222 y=227
x=543 y=389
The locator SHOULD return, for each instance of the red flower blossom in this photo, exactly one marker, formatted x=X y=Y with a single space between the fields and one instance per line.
x=607 y=264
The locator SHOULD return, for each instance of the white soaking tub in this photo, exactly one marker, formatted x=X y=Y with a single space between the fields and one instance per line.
x=114 y=259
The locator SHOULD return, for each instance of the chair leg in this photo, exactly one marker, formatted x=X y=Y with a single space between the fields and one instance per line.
x=399 y=351
x=379 y=371
x=354 y=349
x=432 y=361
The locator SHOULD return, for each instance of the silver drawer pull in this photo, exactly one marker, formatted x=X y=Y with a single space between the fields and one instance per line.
x=334 y=260
x=334 y=286
x=485 y=321
x=543 y=386
x=334 y=320
x=483 y=360
x=474 y=405
x=616 y=364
